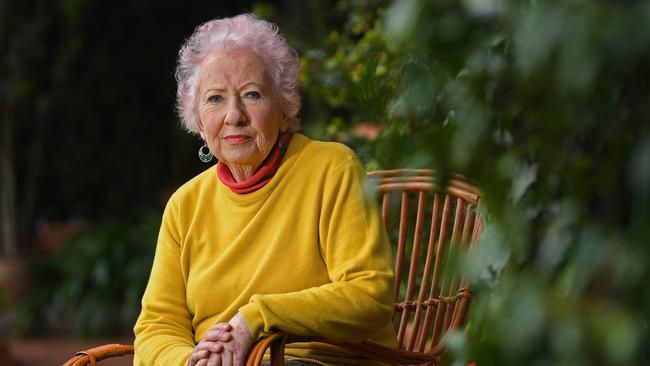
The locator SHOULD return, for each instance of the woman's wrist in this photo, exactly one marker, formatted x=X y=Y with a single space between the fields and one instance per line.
x=240 y=328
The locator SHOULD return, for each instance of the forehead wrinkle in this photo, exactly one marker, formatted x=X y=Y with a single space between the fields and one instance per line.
x=238 y=68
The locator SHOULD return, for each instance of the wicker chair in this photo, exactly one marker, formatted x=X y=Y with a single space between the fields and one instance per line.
x=442 y=224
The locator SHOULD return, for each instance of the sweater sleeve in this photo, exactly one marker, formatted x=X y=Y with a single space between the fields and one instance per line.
x=163 y=332
x=357 y=302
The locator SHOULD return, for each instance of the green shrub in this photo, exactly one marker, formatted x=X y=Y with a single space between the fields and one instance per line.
x=94 y=285
x=544 y=104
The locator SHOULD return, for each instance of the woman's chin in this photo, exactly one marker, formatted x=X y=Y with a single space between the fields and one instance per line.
x=243 y=155
x=238 y=161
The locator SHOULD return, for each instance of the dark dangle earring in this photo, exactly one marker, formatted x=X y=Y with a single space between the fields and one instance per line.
x=205 y=154
x=283 y=143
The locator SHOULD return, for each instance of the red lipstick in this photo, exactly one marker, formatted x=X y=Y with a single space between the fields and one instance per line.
x=236 y=139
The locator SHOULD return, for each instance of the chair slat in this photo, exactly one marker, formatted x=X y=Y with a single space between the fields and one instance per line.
x=470 y=219
x=401 y=249
x=385 y=211
x=477 y=228
x=415 y=257
x=446 y=284
x=419 y=186
x=422 y=334
x=442 y=238
x=466 y=216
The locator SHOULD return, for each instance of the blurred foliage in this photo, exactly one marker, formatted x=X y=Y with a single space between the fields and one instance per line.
x=544 y=105
x=88 y=90
x=94 y=285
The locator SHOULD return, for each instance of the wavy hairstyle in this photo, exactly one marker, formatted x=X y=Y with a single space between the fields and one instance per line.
x=242 y=31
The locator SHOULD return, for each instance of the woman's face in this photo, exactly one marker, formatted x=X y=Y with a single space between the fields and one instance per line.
x=239 y=112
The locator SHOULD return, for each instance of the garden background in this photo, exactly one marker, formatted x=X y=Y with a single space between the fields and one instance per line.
x=543 y=104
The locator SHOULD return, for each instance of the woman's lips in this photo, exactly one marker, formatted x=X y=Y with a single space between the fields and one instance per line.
x=236 y=139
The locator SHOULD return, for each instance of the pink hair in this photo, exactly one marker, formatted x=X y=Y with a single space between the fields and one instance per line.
x=242 y=31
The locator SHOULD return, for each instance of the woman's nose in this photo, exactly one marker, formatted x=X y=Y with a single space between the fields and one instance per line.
x=235 y=115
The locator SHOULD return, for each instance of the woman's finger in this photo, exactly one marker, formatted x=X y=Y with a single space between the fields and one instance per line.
x=209 y=346
x=226 y=358
x=218 y=335
x=222 y=326
x=215 y=360
x=198 y=355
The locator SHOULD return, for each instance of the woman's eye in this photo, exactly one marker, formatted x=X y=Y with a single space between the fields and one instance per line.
x=215 y=98
x=253 y=95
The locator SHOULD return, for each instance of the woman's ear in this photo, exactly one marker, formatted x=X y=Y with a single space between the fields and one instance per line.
x=201 y=129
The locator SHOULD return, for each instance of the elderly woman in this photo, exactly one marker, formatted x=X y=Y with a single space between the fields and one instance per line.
x=278 y=236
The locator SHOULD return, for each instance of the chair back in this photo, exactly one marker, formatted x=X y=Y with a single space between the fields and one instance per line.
x=429 y=225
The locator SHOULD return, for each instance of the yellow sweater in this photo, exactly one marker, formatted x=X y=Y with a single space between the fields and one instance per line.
x=305 y=254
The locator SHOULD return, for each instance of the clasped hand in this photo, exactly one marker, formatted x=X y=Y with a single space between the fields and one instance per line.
x=225 y=344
